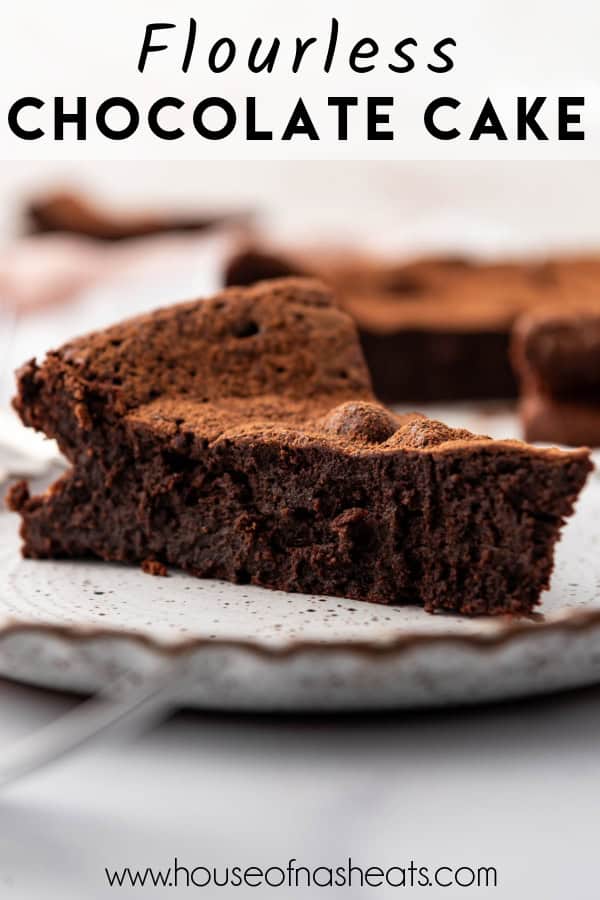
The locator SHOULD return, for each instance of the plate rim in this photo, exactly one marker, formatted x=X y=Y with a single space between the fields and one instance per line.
x=571 y=622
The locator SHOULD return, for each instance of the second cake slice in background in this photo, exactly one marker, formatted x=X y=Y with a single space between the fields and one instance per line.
x=557 y=356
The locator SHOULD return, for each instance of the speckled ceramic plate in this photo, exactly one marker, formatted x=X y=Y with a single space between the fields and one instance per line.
x=78 y=625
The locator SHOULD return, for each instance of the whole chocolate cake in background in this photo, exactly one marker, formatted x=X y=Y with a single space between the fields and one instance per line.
x=435 y=329
x=239 y=438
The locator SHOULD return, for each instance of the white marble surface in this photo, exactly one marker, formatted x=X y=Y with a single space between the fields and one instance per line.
x=512 y=786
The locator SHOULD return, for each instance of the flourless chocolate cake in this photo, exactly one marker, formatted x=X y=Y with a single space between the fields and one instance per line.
x=557 y=356
x=238 y=438
x=432 y=329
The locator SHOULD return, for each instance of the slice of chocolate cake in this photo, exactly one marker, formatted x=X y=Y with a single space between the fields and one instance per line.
x=238 y=438
x=556 y=353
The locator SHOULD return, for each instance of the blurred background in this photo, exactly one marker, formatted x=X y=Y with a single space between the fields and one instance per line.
x=53 y=286
x=531 y=204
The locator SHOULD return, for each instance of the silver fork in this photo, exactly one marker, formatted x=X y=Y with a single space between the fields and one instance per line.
x=142 y=704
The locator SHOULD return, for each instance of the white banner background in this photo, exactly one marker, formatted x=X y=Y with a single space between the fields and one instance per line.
x=505 y=49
